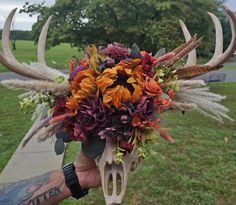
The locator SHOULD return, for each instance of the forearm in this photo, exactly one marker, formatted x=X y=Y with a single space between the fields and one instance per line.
x=46 y=189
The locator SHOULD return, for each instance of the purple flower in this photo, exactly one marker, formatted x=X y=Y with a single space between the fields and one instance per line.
x=116 y=51
x=92 y=114
x=116 y=134
x=146 y=107
x=74 y=72
x=107 y=133
x=110 y=62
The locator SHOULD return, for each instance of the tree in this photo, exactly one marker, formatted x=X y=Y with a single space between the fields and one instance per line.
x=152 y=24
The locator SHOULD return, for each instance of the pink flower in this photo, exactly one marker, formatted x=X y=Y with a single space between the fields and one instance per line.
x=116 y=51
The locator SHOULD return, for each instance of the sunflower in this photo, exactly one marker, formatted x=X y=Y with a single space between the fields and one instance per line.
x=121 y=84
x=83 y=85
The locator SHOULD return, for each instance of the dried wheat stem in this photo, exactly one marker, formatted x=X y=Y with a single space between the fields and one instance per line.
x=48 y=132
x=36 y=128
x=183 y=106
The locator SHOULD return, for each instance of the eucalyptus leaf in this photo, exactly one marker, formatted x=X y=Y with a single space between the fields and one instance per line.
x=65 y=136
x=59 y=146
x=160 y=53
x=135 y=51
x=164 y=96
x=94 y=147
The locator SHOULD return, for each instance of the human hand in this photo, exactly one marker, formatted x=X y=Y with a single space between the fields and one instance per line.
x=87 y=172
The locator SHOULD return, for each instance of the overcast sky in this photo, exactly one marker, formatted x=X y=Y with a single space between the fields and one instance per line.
x=24 y=22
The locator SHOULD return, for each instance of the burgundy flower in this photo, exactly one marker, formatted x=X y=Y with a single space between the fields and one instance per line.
x=59 y=107
x=79 y=133
x=92 y=114
x=148 y=61
x=128 y=146
x=146 y=107
x=116 y=51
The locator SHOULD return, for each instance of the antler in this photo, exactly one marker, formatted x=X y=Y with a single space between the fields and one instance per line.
x=191 y=69
x=38 y=70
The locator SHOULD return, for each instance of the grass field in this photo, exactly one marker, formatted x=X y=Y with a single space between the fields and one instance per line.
x=13 y=124
x=198 y=169
x=56 y=57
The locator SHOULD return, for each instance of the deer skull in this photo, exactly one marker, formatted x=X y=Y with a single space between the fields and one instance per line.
x=114 y=173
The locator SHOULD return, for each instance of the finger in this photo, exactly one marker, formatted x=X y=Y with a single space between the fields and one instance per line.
x=83 y=163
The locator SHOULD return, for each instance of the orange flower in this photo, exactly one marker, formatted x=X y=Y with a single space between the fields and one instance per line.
x=165 y=102
x=136 y=120
x=152 y=88
x=71 y=103
x=82 y=86
x=120 y=84
x=171 y=94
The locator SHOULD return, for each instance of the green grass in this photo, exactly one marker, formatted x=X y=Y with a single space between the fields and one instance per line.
x=198 y=169
x=56 y=57
x=230 y=67
x=13 y=124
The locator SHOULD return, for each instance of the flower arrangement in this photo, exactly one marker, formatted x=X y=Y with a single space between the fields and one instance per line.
x=114 y=97
x=116 y=94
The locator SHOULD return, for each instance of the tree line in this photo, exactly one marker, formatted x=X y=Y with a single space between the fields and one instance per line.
x=152 y=24
x=19 y=35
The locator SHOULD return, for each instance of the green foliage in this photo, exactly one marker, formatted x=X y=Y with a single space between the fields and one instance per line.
x=151 y=24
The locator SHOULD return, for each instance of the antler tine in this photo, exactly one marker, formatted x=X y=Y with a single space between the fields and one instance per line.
x=35 y=70
x=221 y=59
x=5 y=35
x=218 y=40
x=42 y=42
x=192 y=57
x=7 y=58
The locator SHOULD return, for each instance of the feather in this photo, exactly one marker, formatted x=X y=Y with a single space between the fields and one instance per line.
x=48 y=132
x=35 y=129
x=194 y=71
x=192 y=44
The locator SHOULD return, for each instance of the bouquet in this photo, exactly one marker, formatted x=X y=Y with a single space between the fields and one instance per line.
x=112 y=100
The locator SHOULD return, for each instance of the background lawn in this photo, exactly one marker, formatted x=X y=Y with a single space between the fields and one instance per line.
x=56 y=57
x=199 y=168
x=13 y=124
